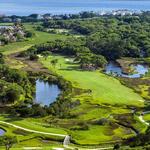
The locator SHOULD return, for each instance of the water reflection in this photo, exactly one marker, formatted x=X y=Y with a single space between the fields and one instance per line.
x=46 y=93
x=114 y=69
x=2 y=132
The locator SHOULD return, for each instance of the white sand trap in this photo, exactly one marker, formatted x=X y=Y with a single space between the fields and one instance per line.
x=58 y=148
x=67 y=60
x=40 y=56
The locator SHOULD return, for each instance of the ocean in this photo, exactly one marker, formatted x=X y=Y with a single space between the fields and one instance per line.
x=26 y=7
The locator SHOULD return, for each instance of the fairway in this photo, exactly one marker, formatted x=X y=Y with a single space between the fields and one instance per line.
x=105 y=89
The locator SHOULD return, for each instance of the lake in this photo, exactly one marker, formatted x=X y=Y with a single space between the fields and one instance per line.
x=114 y=69
x=26 y=7
x=46 y=93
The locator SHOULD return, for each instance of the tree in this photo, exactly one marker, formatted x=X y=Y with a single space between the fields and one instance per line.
x=29 y=34
x=24 y=111
x=38 y=110
x=34 y=57
x=46 y=54
x=8 y=141
x=1 y=58
x=10 y=92
x=116 y=147
x=54 y=62
x=12 y=95
x=99 y=61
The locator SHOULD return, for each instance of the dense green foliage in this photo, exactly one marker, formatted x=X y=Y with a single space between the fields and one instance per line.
x=8 y=141
x=29 y=108
x=139 y=140
x=10 y=92
x=14 y=85
x=69 y=47
x=112 y=37
x=18 y=87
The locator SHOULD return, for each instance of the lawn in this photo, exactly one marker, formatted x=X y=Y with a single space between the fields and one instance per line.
x=39 y=37
x=105 y=89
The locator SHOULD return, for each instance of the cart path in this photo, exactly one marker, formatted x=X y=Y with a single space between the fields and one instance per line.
x=33 y=131
x=66 y=141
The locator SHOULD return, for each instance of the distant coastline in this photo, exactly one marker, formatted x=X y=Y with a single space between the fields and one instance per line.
x=82 y=15
x=99 y=13
x=27 y=7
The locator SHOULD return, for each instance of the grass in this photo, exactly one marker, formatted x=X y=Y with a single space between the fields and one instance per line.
x=109 y=97
x=140 y=125
x=33 y=124
x=148 y=73
x=147 y=117
x=105 y=89
x=33 y=140
x=28 y=139
x=13 y=63
x=100 y=134
x=40 y=37
x=83 y=136
x=144 y=91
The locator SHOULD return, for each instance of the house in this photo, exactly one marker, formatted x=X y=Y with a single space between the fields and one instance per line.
x=7 y=20
x=17 y=20
x=88 y=67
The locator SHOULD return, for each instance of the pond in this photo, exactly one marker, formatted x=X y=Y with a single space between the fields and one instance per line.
x=2 y=132
x=46 y=93
x=114 y=69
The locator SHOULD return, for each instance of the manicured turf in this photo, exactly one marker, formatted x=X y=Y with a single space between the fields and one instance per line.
x=105 y=89
x=33 y=124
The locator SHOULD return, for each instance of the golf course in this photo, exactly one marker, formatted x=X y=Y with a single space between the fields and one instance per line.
x=93 y=110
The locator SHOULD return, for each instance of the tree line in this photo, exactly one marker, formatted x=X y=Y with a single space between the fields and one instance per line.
x=75 y=47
